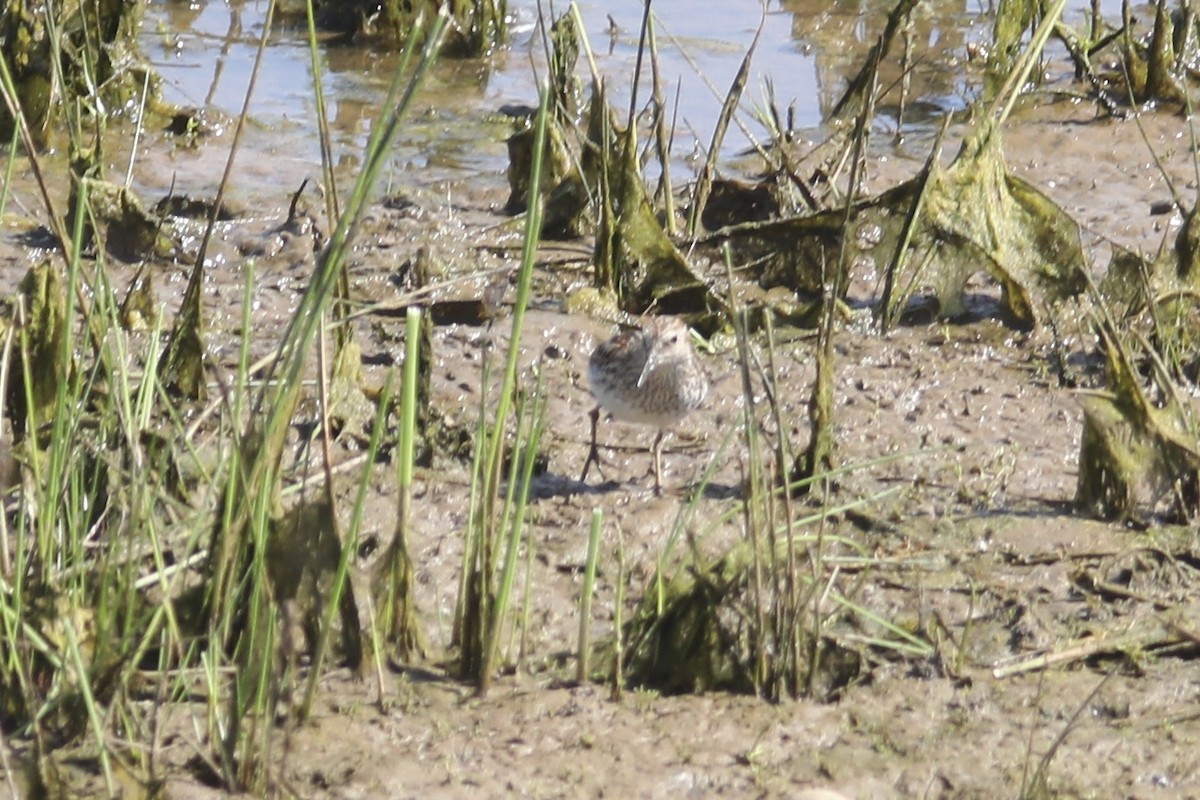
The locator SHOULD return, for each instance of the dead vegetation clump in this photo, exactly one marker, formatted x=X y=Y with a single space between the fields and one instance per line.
x=99 y=587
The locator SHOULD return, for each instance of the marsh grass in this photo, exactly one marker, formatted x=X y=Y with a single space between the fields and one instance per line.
x=88 y=598
x=397 y=562
x=183 y=365
x=771 y=614
x=781 y=580
x=733 y=96
x=73 y=601
x=398 y=613
x=583 y=648
x=496 y=522
x=219 y=624
x=113 y=565
x=252 y=499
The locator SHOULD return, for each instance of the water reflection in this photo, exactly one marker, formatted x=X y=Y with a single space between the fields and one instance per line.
x=841 y=33
x=808 y=48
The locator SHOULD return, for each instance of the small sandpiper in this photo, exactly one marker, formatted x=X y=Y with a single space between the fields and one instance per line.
x=648 y=376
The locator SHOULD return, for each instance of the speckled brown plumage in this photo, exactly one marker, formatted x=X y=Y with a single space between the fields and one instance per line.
x=648 y=376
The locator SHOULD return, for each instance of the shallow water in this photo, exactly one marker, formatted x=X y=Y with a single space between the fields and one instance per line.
x=972 y=540
x=806 y=49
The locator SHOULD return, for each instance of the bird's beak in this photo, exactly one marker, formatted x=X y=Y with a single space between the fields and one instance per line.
x=651 y=362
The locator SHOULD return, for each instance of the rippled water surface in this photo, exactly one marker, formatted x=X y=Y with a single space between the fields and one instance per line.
x=806 y=49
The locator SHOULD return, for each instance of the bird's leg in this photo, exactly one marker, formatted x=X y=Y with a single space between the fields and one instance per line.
x=656 y=454
x=593 y=451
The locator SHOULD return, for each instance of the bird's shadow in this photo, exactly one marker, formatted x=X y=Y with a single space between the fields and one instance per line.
x=723 y=491
x=550 y=485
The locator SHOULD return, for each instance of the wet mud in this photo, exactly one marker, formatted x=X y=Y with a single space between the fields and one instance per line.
x=1065 y=647
x=1059 y=657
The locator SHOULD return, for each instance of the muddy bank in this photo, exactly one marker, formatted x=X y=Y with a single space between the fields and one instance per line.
x=1055 y=650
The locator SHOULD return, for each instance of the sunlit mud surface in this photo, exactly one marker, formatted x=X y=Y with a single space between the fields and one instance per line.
x=977 y=540
x=967 y=447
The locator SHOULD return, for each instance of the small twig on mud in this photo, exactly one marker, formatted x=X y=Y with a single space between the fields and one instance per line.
x=1078 y=653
